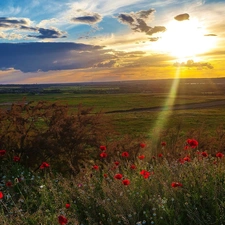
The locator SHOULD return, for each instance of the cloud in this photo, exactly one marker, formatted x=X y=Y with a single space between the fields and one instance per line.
x=89 y=18
x=24 y=24
x=45 y=56
x=191 y=63
x=182 y=17
x=210 y=35
x=154 y=39
x=137 y=21
x=48 y=33
x=108 y=63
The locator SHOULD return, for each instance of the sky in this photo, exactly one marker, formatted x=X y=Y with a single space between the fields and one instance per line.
x=64 y=41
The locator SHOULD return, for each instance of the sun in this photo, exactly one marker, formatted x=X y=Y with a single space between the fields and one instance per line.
x=185 y=40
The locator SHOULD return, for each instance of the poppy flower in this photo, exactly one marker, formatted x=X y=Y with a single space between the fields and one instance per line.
x=142 y=145
x=44 y=165
x=204 y=154
x=105 y=175
x=8 y=184
x=116 y=163
x=160 y=155
x=192 y=143
x=95 y=167
x=163 y=143
x=133 y=167
x=141 y=157
x=2 y=152
x=187 y=159
x=1 y=195
x=186 y=147
x=125 y=154
x=16 y=158
x=145 y=174
x=103 y=155
x=126 y=182
x=103 y=147
x=219 y=155
x=176 y=184
x=67 y=205
x=118 y=176
x=62 y=220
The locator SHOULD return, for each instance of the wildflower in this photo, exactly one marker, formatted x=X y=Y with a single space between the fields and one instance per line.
x=67 y=205
x=62 y=220
x=125 y=154
x=145 y=174
x=133 y=167
x=160 y=155
x=192 y=143
x=116 y=163
x=2 y=152
x=141 y=157
x=103 y=147
x=163 y=143
x=105 y=175
x=204 y=154
x=16 y=158
x=181 y=161
x=126 y=182
x=186 y=147
x=176 y=184
x=95 y=167
x=44 y=165
x=142 y=145
x=187 y=158
x=118 y=176
x=103 y=155
x=8 y=184
x=1 y=195
x=219 y=155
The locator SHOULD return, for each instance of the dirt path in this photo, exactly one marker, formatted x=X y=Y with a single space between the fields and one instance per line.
x=201 y=105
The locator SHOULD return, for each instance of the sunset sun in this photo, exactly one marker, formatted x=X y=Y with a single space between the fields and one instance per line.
x=185 y=39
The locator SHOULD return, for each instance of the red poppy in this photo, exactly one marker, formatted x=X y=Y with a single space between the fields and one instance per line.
x=204 y=154
x=133 y=167
x=219 y=155
x=186 y=147
x=16 y=158
x=176 y=184
x=192 y=143
x=105 y=175
x=126 y=182
x=103 y=147
x=103 y=155
x=160 y=155
x=163 y=143
x=145 y=174
x=187 y=158
x=142 y=145
x=8 y=184
x=44 y=165
x=67 y=205
x=118 y=176
x=62 y=220
x=95 y=167
x=1 y=195
x=116 y=163
x=125 y=154
x=141 y=157
x=2 y=152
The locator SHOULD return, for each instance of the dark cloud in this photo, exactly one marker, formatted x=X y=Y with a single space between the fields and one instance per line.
x=182 y=17
x=154 y=39
x=89 y=19
x=210 y=35
x=45 y=56
x=48 y=33
x=109 y=63
x=138 y=21
x=24 y=24
x=191 y=63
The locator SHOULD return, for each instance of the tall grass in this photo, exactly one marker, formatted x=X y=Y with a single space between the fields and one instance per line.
x=188 y=188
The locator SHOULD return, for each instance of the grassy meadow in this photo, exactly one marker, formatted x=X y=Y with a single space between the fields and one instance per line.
x=163 y=167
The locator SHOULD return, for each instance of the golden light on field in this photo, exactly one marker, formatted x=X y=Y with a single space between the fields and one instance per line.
x=185 y=40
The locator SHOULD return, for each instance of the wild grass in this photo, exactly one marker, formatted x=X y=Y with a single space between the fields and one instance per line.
x=181 y=185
